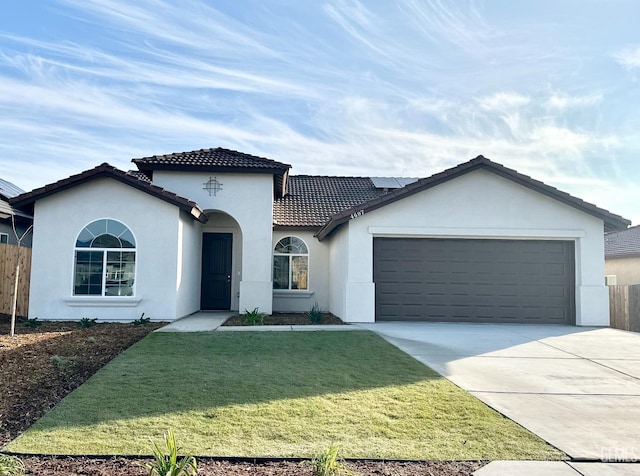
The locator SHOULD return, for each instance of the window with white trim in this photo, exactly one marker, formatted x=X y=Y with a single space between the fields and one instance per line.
x=291 y=264
x=105 y=260
x=4 y=238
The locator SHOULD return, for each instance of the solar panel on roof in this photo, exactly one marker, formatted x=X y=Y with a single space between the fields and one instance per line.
x=9 y=190
x=392 y=182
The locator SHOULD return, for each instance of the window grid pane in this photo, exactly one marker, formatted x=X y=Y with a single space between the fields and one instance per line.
x=280 y=272
x=120 y=273
x=299 y=269
x=88 y=273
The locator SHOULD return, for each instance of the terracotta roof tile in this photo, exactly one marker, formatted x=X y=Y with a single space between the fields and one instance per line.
x=27 y=199
x=622 y=243
x=210 y=158
x=312 y=200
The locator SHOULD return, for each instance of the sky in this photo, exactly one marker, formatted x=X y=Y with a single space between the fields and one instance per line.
x=335 y=87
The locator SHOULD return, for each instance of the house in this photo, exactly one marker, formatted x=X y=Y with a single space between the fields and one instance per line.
x=219 y=229
x=22 y=220
x=622 y=256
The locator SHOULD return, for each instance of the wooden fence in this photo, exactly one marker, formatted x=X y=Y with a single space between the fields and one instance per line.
x=10 y=255
x=624 y=307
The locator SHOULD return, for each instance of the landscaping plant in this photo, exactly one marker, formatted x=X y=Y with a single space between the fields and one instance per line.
x=326 y=463
x=315 y=314
x=143 y=321
x=32 y=323
x=167 y=464
x=253 y=318
x=11 y=466
x=85 y=322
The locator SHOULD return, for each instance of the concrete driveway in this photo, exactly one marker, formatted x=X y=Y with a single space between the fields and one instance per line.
x=577 y=388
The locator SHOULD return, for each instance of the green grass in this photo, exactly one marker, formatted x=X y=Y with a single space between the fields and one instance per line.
x=277 y=394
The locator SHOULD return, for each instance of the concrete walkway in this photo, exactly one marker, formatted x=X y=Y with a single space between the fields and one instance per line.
x=557 y=468
x=202 y=321
x=577 y=388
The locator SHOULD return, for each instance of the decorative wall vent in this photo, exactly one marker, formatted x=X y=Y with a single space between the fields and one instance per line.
x=212 y=186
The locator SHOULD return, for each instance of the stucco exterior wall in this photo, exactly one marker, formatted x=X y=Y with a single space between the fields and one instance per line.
x=58 y=220
x=248 y=198
x=302 y=301
x=338 y=271
x=478 y=205
x=626 y=270
x=188 y=267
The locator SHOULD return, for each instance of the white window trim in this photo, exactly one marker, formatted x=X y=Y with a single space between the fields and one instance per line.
x=303 y=292
x=102 y=299
x=104 y=271
x=4 y=234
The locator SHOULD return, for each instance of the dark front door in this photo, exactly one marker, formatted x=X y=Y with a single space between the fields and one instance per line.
x=216 y=271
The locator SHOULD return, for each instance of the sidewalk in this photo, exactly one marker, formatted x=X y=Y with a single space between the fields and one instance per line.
x=557 y=468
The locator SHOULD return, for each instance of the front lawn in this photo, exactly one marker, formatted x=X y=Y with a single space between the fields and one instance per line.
x=277 y=394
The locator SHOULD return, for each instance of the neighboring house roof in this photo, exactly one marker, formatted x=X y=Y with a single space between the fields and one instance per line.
x=7 y=191
x=217 y=160
x=108 y=171
x=623 y=243
x=611 y=221
x=310 y=201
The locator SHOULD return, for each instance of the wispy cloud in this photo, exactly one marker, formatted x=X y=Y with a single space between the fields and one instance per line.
x=629 y=57
x=562 y=101
x=503 y=101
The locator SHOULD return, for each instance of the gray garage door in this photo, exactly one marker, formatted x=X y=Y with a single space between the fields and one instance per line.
x=424 y=279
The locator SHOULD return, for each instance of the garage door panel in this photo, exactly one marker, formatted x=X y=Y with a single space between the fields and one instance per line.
x=474 y=280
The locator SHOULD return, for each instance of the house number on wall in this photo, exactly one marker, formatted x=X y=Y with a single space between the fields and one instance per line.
x=357 y=214
x=212 y=186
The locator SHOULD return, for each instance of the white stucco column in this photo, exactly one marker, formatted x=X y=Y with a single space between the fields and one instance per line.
x=256 y=288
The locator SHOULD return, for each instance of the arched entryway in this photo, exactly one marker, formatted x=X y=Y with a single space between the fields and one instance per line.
x=221 y=262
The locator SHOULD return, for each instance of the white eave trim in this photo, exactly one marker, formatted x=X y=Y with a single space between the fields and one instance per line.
x=81 y=301
x=514 y=233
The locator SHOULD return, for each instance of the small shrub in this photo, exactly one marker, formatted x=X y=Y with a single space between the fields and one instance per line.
x=85 y=322
x=167 y=463
x=326 y=463
x=143 y=321
x=62 y=362
x=315 y=314
x=11 y=466
x=253 y=318
x=91 y=340
x=32 y=323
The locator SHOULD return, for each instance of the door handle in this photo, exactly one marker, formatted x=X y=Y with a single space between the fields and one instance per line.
x=229 y=278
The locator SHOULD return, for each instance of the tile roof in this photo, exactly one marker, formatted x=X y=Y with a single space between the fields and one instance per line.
x=311 y=200
x=106 y=170
x=611 y=221
x=622 y=243
x=217 y=158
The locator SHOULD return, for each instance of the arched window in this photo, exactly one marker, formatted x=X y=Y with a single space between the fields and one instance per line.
x=290 y=264
x=105 y=260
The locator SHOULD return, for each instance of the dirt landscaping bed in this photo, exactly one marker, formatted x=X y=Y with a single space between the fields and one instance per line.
x=72 y=466
x=41 y=365
x=286 y=319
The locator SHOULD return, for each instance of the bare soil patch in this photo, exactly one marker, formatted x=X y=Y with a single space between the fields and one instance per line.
x=40 y=366
x=286 y=319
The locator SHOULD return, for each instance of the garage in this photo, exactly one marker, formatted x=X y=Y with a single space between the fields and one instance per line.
x=474 y=280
